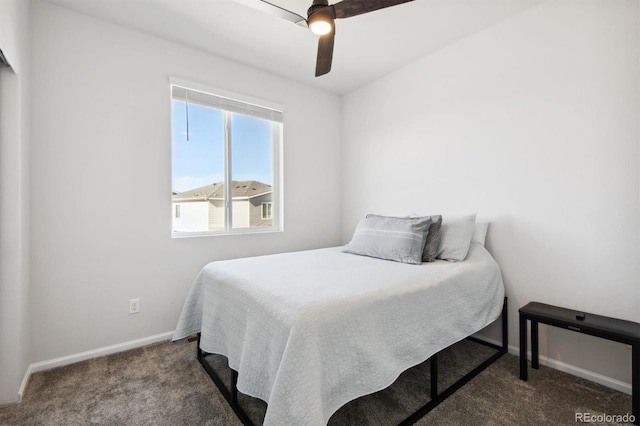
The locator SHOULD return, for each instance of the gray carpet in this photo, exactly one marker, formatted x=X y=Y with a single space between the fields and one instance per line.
x=163 y=384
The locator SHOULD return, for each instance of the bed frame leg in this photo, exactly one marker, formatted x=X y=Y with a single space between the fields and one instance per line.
x=433 y=363
x=234 y=387
x=505 y=326
x=198 y=350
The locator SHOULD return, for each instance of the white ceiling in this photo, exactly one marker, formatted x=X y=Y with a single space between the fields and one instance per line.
x=366 y=46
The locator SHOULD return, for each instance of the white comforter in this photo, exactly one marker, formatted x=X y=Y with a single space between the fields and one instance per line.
x=309 y=331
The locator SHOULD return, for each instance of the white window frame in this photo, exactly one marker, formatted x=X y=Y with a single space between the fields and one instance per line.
x=277 y=141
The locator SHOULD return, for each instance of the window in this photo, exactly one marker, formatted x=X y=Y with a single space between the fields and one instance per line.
x=225 y=162
x=266 y=210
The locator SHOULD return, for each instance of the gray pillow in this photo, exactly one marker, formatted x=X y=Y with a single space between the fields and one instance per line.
x=390 y=238
x=455 y=237
x=425 y=237
x=433 y=239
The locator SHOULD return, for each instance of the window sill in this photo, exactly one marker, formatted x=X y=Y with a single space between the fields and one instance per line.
x=249 y=231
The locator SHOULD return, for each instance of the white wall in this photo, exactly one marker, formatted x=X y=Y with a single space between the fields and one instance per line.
x=533 y=123
x=14 y=201
x=101 y=133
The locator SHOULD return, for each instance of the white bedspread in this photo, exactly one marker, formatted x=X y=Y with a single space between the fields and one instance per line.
x=309 y=331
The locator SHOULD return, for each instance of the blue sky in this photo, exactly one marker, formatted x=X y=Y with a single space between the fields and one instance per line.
x=200 y=161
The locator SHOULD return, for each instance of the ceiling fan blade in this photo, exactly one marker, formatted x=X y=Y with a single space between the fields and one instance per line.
x=325 y=53
x=349 y=8
x=274 y=9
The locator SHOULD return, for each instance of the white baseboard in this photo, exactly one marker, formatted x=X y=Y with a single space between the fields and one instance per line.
x=94 y=353
x=568 y=368
x=25 y=382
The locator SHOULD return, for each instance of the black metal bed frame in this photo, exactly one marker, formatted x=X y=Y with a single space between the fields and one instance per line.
x=231 y=395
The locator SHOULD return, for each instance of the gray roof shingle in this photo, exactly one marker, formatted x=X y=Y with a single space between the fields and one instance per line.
x=215 y=191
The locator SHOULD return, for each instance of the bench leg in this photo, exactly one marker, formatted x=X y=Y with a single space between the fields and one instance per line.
x=534 y=345
x=635 y=382
x=523 y=348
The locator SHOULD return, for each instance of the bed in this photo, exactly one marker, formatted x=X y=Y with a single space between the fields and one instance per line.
x=308 y=331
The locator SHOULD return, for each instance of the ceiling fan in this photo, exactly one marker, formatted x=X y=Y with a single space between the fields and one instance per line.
x=321 y=21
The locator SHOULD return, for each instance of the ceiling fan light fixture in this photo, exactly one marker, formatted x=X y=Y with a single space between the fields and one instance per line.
x=320 y=26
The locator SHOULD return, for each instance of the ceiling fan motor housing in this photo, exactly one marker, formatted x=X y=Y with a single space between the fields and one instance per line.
x=317 y=5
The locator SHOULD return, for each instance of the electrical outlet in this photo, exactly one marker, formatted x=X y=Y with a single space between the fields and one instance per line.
x=134 y=306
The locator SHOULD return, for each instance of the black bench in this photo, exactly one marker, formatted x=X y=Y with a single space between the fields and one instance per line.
x=627 y=332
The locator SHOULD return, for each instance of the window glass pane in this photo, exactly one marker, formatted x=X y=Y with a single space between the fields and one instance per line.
x=251 y=170
x=198 y=157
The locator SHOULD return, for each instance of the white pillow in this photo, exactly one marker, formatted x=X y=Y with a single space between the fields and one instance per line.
x=480 y=232
x=455 y=237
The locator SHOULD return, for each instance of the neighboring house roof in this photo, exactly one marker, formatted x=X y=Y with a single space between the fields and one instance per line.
x=240 y=190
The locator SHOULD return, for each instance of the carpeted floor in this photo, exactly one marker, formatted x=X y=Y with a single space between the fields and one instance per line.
x=163 y=384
